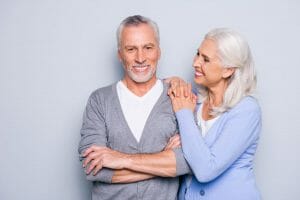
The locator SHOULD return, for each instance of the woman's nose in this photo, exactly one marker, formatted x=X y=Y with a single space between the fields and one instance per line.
x=197 y=62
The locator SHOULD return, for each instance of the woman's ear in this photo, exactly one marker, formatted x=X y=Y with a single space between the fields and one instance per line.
x=228 y=71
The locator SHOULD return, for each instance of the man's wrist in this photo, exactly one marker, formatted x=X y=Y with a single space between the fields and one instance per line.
x=127 y=161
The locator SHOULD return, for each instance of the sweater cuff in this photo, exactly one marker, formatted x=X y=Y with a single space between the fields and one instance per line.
x=104 y=175
x=181 y=165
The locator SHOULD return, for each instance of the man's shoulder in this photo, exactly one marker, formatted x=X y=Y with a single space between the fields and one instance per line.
x=104 y=91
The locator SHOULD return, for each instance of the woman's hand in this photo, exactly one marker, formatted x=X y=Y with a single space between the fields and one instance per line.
x=174 y=82
x=182 y=97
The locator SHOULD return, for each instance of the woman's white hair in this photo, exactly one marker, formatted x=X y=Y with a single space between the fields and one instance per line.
x=233 y=51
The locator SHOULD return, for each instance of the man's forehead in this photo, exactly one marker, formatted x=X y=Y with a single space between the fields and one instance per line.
x=139 y=45
x=138 y=36
x=142 y=28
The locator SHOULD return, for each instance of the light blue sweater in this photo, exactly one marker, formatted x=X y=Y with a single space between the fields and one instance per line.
x=222 y=161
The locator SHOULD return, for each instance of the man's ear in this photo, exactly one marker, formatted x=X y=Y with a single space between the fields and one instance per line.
x=159 y=51
x=119 y=55
x=228 y=71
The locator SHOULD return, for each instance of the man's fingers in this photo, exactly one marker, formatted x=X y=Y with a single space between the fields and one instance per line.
x=170 y=142
x=177 y=139
x=91 y=149
x=92 y=165
x=177 y=142
x=89 y=169
x=90 y=157
x=97 y=168
x=174 y=138
x=86 y=161
x=174 y=142
x=87 y=151
x=168 y=145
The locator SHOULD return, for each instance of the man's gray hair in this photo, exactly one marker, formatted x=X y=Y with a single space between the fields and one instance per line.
x=136 y=20
x=233 y=51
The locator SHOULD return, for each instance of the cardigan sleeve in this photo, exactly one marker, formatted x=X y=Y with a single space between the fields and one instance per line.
x=93 y=132
x=240 y=129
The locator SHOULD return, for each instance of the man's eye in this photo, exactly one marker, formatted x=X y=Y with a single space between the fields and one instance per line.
x=149 y=47
x=197 y=53
x=131 y=49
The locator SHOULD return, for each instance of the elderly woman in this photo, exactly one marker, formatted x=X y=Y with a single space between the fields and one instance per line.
x=219 y=136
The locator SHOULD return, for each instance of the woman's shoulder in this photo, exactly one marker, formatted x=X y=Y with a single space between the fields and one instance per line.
x=247 y=104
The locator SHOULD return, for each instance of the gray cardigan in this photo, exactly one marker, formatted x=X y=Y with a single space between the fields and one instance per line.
x=104 y=125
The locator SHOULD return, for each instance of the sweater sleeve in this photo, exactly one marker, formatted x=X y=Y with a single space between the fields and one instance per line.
x=182 y=166
x=240 y=130
x=93 y=132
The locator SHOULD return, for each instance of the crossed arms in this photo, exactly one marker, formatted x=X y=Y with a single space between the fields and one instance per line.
x=130 y=167
x=106 y=165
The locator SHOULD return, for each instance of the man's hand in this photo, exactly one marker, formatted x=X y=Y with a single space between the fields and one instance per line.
x=97 y=157
x=174 y=142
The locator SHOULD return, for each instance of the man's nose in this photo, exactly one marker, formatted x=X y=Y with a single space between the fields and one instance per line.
x=140 y=57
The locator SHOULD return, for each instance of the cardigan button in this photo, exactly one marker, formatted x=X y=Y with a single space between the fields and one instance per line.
x=202 y=192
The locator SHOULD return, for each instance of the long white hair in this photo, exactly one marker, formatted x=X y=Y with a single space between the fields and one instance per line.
x=233 y=51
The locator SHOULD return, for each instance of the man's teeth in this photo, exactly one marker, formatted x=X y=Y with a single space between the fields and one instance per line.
x=140 y=68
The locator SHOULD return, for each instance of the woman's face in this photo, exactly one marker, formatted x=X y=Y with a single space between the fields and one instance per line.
x=208 y=69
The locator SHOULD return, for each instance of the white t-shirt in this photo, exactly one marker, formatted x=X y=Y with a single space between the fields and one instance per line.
x=205 y=125
x=137 y=109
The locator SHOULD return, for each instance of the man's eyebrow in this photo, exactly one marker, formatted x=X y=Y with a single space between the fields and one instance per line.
x=152 y=44
x=129 y=46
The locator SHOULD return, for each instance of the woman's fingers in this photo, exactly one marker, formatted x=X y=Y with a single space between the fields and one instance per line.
x=178 y=87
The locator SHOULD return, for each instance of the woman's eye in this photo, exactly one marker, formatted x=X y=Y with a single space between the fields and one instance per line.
x=206 y=59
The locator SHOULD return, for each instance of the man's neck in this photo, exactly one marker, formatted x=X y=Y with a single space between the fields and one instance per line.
x=139 y=89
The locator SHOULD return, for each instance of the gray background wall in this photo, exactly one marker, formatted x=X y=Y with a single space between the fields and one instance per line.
x=53 y=54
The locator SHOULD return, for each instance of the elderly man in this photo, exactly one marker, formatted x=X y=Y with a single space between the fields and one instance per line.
x=127 y=125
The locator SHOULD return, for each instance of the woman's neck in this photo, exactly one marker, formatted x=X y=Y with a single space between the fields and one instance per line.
x=215 y=94
x=214 y=98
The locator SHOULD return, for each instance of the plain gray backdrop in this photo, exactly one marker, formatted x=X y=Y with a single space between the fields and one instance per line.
x=53 y=54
